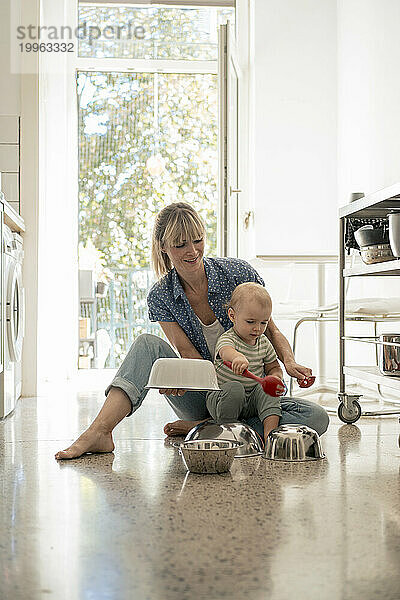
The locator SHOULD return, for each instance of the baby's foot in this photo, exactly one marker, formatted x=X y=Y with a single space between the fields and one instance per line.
x=92 y=440
x=180 y=427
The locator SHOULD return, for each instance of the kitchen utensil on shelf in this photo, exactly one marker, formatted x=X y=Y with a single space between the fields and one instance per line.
x=394 y=232
x=356 y=196
x=376 y=254
x=389 y=356
x=183 y=373
x=208 y=456
x=295 y=443
x=368 y=235
x=270 y=384
x=251 y=443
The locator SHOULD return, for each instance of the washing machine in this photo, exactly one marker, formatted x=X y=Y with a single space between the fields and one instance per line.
x=13 y=321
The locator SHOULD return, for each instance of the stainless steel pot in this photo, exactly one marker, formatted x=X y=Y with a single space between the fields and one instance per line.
x=394 y=232
x=389 y=356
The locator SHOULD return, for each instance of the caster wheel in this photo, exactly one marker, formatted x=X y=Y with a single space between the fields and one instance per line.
x=349 y=416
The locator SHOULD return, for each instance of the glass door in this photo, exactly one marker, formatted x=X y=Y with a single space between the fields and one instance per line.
x=148 y=136
x=228 y=78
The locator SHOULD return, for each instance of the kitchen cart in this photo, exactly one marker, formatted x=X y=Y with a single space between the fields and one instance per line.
x=373 y=206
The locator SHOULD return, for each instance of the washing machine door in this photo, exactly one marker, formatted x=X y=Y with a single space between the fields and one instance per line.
x=15 y=312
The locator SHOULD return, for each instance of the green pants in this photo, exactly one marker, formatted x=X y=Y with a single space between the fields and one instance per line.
x=232 y=403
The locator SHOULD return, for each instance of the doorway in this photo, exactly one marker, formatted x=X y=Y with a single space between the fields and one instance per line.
x=147 y=137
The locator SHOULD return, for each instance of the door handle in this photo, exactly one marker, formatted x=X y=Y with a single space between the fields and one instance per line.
x=232 y=191
x=247 y=217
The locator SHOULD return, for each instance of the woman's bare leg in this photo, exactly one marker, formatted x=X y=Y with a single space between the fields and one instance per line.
x=98 y=437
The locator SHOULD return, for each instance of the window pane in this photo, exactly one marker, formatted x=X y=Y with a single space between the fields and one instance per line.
x=145 y=140
x=151 y=32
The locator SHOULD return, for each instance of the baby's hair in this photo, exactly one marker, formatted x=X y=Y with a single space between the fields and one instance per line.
x=244 y=290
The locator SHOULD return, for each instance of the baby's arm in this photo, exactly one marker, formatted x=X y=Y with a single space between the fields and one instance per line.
x=238 y=360
x=274 y=371
x=273 y=368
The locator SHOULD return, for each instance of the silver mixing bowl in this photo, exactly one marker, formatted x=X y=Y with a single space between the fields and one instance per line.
x=208 y=456
x=252 y=444
x=295 y=443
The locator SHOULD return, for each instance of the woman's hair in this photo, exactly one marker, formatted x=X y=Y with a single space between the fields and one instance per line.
x=174 y=224
x=244 y=291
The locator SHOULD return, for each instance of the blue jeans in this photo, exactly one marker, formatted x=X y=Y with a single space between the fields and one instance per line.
x=133 y=374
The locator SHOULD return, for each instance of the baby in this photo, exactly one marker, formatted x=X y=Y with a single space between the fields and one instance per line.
x=245 y=346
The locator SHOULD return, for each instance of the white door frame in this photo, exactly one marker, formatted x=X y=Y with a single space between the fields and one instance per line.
x=229 y=168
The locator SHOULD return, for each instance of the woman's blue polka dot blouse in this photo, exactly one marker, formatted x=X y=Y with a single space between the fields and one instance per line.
x=167 y=301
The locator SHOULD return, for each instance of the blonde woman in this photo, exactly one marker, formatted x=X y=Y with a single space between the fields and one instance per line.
x=188 y=301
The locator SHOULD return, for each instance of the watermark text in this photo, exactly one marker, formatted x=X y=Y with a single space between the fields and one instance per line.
x=91 y=33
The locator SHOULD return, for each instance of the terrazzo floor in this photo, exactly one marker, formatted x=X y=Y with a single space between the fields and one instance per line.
x=135 y=525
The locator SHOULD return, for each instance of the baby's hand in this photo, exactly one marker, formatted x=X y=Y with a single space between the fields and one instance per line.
x=239 y=364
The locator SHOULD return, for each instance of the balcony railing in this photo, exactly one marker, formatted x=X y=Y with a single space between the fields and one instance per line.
x=122 y=312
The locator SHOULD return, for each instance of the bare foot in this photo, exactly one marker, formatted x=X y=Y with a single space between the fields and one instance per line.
x=180 y=427
x=91 y=440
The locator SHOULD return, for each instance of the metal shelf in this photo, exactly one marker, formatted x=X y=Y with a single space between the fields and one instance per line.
x=370 y=340
x=373 y=205
x=373 y=375
x=390 y=267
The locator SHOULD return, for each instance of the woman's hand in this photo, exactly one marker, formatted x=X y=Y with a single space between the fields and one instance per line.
x=174 y=392
x=239 y=364
x=295 y=370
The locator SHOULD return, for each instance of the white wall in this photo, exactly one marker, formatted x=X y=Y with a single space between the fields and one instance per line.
x=58 y=208
x=29 y=211
x=10 y=96
x=294 y=74
x=369 y=95
x=295 y=126
x=47 y=105
x=369 y=115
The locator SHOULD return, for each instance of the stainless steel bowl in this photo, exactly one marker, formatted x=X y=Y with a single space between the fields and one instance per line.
x=389 y=356
x=252 y=444
x=295 y=443
x=208 y=456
